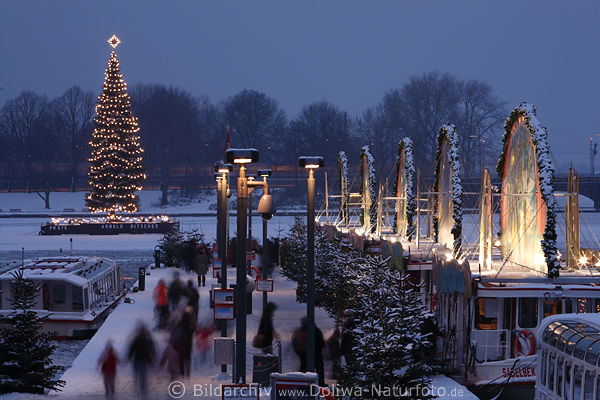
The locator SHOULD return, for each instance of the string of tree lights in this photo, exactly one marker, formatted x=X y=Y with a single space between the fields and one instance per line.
x=116 y=170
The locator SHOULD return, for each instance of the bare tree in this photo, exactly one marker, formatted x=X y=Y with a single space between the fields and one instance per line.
x=429 y=101
x=374 y=128
x=480 y=123
x=169 y=128
x=256 y=121
x=19 y=118
x=320 y=128
x=75 y=109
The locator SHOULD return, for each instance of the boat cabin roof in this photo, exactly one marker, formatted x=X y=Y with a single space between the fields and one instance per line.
x=75 y=270
x=577 y=335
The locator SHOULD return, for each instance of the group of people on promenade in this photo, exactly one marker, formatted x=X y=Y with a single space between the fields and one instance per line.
x=177 y=310
x=339 y=344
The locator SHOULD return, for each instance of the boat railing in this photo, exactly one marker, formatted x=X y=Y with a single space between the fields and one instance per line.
x=490 y=344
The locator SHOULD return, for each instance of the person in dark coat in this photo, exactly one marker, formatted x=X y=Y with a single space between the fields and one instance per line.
x=300 y=344
x=141 y=353
x=191 y=293
x=265 y=328
x=175 y=291
x=335 y=352
x=181 y=340
x=201 y=262
x=348 y=337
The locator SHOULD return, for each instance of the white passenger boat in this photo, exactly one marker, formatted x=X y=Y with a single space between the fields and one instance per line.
x=76 y=293
x=569 y=351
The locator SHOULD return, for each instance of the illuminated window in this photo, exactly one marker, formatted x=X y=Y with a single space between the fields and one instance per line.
x=552 y=307
x=486 y=313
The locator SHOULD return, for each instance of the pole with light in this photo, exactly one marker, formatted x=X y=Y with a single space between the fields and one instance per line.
x=266 y=208
x=222 y=169
x=241 y=157
x=310 y=163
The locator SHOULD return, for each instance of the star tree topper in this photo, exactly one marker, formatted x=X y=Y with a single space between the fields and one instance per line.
x=114 y=41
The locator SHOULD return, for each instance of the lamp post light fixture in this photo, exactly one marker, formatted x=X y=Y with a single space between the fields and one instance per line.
x=310 y=163
x=221 y=171
x=241 y=157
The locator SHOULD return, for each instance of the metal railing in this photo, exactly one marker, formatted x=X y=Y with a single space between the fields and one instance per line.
x=490 y=345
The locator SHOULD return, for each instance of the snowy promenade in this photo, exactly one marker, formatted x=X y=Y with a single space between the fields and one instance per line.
x=84 y=379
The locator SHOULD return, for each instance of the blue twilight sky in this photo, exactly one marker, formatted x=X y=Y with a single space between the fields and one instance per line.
x=347 y=52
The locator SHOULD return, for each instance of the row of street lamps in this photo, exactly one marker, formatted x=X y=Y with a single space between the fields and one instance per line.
x=266 y=208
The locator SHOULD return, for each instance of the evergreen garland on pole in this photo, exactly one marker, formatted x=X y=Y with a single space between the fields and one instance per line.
x=343 y=181
x=116 y=171
x=405 y=156
x=545 y=167
x=367 y=160
x=25 y=364
x=449 y=134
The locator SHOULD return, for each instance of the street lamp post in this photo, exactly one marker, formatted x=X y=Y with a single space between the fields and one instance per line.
x=310 y=163
x=241 y=157
x=223 y=169
x=267 y=214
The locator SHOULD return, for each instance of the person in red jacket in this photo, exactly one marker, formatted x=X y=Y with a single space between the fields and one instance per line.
x=161 y=298
x=108 y=367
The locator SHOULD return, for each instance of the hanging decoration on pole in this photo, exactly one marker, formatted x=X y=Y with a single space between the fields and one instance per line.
x=447 y=218
x=343 y=181
x=368 y=191
x=404 y=190
x=528 y=215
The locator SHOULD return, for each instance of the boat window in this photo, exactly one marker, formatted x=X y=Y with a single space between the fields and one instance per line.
x=577 y=381
x=486 y=313
x=551 y=367
x=86 y=301
x=568 y=306
x=59 y=293
x=77 y=297
x=552 y=307
x=568 y=381
x=528 y=312
x=581 y=306
x=544 y=366
x=588 y=389
x=559 y=377
x=596 y=308
x=592 y=354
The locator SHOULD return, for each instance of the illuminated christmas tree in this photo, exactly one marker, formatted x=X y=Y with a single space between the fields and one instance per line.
x=116 y=171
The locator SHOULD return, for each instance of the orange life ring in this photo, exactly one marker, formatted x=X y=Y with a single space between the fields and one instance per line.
x=524 y=343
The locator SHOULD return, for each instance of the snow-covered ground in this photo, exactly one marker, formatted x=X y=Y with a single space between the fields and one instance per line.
x=59 y=201
x=83 y=377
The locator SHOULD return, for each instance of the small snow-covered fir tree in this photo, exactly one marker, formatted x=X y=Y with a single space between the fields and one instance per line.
x=293 y=256
x=116 y=171
x=388 y=334
x=25 y=364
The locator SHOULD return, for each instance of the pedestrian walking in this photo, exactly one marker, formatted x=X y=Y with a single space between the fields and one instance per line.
x=161 y=299
x=181 y=340
x=170 y=358
x=348 y=325
x=191 y=293
x=108 y=367
x=141 y=353
x=335 y=352
x=300 y=344
x=202 y=261
x=264 y=337
x=175 y=291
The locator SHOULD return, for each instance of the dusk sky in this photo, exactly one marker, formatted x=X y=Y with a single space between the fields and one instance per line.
x=346 y=52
